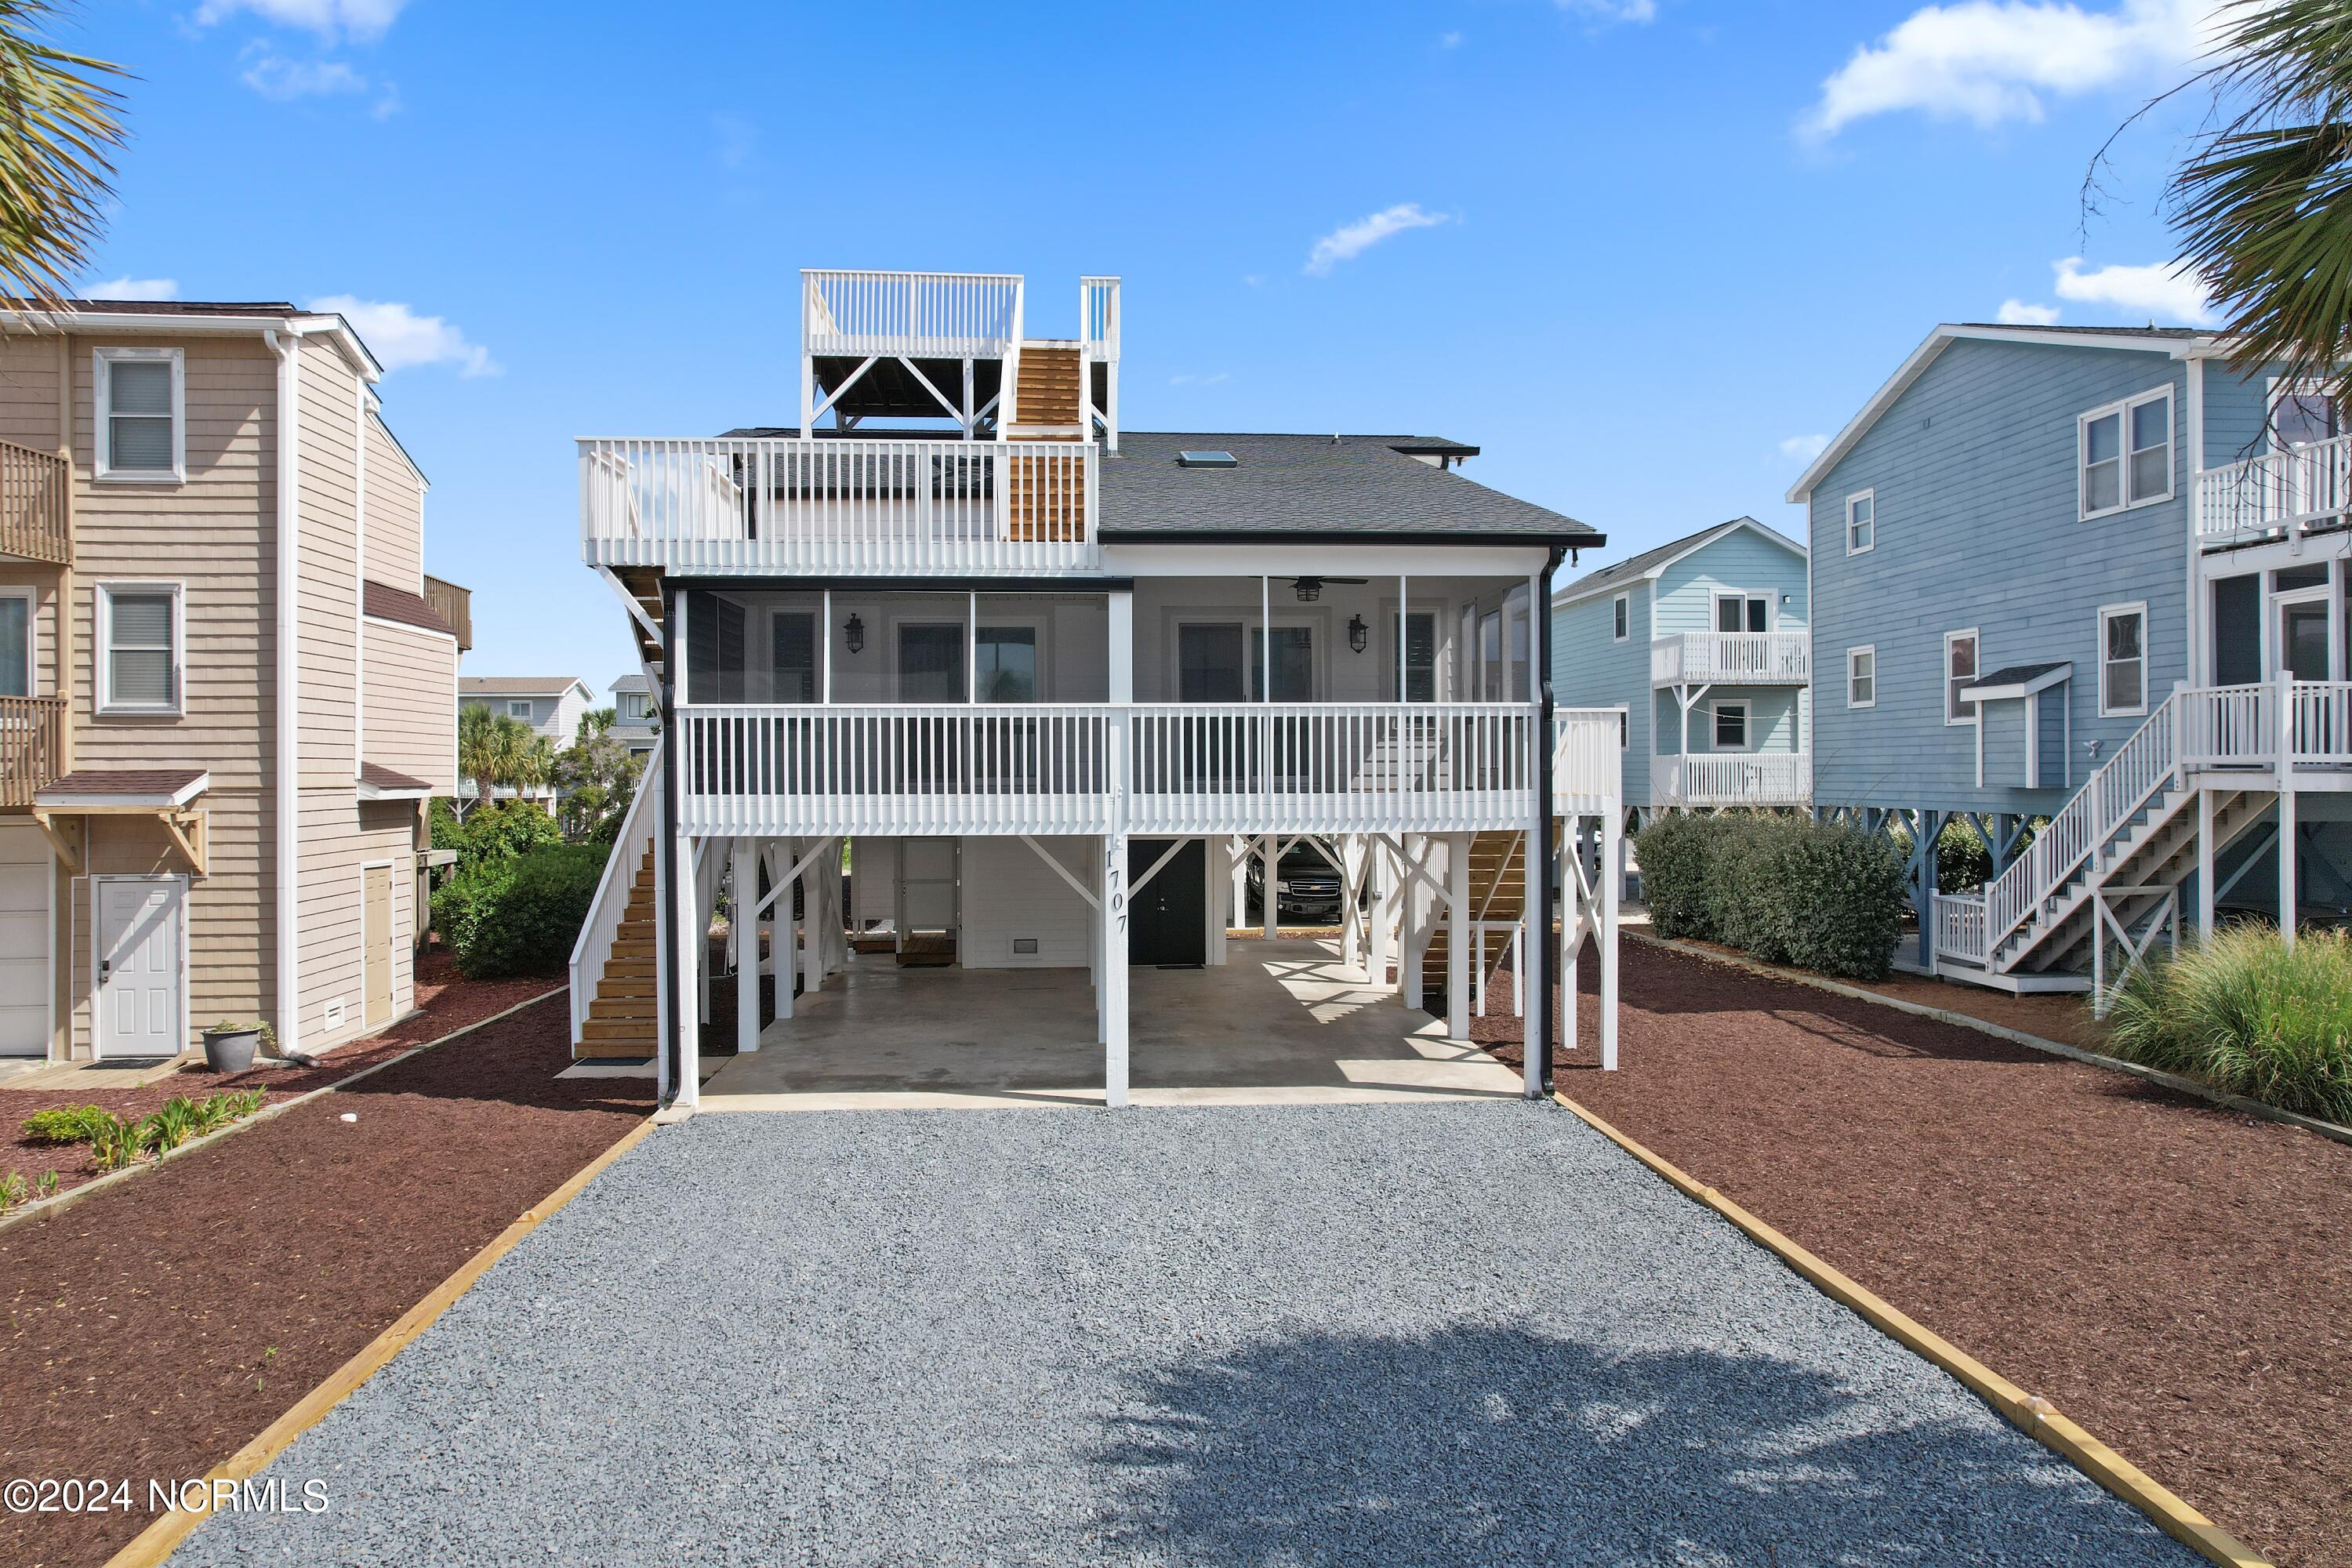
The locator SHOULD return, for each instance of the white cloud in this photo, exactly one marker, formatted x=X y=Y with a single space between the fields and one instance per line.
x=1449 y=40
x=2161 y=291
x=2017 y=313
x=1353 y=239
x=1804 y=448
x=399 y=337
x=327 y=18
x=1613 y=10
x=1992 y=60
x=149 y=288
x=274 y=76
x=1191 y=379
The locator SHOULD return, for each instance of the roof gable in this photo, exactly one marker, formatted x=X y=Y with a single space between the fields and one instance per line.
x=1651 y=564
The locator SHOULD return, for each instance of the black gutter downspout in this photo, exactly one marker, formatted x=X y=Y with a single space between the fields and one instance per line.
x=1538 y=1030
x=665 y=889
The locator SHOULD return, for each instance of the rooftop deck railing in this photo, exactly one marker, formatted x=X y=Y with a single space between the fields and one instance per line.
x=32 y=746
x=2276 y=494
x=922 y=315
x=898 y=508
x=1730 y=658
x=36 y=504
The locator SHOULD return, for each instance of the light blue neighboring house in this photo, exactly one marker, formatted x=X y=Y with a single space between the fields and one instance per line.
x=1704 y=642
x=2046 y=556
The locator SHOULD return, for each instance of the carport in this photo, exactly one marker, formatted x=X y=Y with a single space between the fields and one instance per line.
x=1280 y=1022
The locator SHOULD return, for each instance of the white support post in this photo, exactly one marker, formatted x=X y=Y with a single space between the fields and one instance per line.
x=1571 y=936
x=1351 y=882
x=1114 y=969
x=685 y=911
x=824 y=650
x=2287 y=856
x=1458 y=967
x=1270 y=903
x=1613 y=847
x=786 y=961
x=811 y=947
x=1414 y=940
x=747 y=946
x=1241 y=851
x=1379 y=939
x=2204 y=864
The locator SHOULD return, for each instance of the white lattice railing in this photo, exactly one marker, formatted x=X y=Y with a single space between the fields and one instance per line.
x=1732 y=778
x=839 y=506
x=2298 y=488
x=922 y=315
x=1731 y=659
x=1960 y=927
x=1098 y=319
x=1588 y=760
x=593 y=948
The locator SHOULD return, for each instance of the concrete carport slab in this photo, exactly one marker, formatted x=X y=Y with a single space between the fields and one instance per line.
x=1281 y=1022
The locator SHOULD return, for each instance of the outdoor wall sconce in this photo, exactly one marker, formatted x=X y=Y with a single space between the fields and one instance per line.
x=856 y=633
x=1357 y=633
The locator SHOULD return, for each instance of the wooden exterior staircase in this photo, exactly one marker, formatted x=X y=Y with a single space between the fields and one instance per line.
x=1498 y=863
x=623 y=1019
x=1046 y=393
x=1045 y=501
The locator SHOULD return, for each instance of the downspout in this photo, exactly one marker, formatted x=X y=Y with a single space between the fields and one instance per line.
x=665 y=897
x=1537 y=989
x=287 y=347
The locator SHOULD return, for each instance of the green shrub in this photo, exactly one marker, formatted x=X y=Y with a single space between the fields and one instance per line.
x=68 y=1124
x=2249 y=1014
x=525 y=920
x=1825 y=895
x=459 y=902
x=1963 y=860
x=495 y=834
x=1672 y=852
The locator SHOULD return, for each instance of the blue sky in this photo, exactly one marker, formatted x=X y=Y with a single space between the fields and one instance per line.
x=1644 y=252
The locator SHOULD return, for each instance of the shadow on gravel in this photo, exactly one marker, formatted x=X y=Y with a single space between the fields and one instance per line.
x=1487 y=1444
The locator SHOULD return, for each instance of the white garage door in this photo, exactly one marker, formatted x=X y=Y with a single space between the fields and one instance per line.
x=23 y=941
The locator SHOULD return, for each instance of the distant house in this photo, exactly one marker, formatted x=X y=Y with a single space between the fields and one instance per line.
x=637 y=722
x=551 y=704
x=1702 y=642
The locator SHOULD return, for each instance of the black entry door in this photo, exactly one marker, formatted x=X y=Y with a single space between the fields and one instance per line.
x=1167 y=922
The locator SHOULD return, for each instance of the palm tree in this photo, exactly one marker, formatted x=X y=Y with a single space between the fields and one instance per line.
x=493 y=749
x=2264 y=201
x=58 y=129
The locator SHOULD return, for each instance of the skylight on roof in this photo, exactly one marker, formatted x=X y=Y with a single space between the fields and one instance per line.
x=1206 y=460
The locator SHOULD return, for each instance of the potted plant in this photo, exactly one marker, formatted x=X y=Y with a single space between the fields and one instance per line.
x=229 y=1047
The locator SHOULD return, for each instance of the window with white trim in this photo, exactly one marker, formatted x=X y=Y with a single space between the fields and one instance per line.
x=1731 y=726
x=1738 y=612
x=1621 y=616
x=2123 y=660
x=1960 y=672
x=140 y=636
x=1861 y=522
x=1862 y=676
x=2300 y=414
x=2125 y=454
x=141 y=404
x=15 y=642
x=518 y=708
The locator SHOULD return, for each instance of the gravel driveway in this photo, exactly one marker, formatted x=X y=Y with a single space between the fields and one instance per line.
x=1373 y=1335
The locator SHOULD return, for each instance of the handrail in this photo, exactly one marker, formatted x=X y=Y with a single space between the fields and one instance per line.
x=1761 y=658
x=36 y=504
x=32 y=736
x=1733 y=778
x=2294 y=488
x=1959 y=926
x=594 y=947
x=922 y=315
x=2110 y=798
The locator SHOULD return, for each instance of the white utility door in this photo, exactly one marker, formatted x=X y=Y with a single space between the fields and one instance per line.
x=139 y=976
x=926 y=884
x=24 y=941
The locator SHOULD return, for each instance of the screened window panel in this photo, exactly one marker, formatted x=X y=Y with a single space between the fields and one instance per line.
x=1522 y=657
x=791 y=659
x=1291 y=655
x=15 y=648
x=931 y=664
x=1008 y=664
x=1209 y=662
x=1421 y=658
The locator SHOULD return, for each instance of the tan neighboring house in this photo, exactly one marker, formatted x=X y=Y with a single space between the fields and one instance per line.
x=224 y=695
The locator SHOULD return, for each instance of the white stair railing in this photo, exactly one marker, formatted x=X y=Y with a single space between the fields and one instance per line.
x=2108 y=799
x=603 y=927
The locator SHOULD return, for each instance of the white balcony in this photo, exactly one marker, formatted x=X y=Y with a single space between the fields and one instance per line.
x=1730 y=658
x=1153 y=768
x=2278 y=494
x=917 y=315
x=1727 y=778
x=844 y=506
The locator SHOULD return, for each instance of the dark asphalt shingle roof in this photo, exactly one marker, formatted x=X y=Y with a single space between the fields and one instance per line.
x=386 y=602
x=1310 y=485
x=2016 y=674
x=375 y=775
x=2066 y=331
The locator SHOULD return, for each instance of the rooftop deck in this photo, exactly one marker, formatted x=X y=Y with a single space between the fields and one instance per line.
x=2276 y=495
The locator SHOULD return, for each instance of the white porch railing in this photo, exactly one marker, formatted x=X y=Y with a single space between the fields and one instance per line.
x=840 y=506
x=1960 y=927
x=1588 y=760
x=2108 y=798
x=1730 y=658
x=1098 y=319
x=1345 y=767
x=1732 y=779
x=593 y=948
x=922 y=315
x=2297 y=489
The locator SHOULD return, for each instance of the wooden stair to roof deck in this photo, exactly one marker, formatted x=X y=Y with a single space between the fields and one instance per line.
x=623 y=1021
x=1045 y=499
x=644 y=584
x=1498 y=887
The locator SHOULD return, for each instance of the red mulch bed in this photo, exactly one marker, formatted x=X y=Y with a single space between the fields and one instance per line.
x=445 y=1003
x=141 y=1322
x=2171 y=1275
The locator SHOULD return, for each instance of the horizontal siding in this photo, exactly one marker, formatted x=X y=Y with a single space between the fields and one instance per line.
x=396 y=513
x=1009 y=893
x=1745 y=562
x=410 y=713
x=339 y=837
x=327 y=606
x=1974 y=470
x=29 y=392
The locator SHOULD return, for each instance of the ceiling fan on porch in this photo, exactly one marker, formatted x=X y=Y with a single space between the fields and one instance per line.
x=1309 y=589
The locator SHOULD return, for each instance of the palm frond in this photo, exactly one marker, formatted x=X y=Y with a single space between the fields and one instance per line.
x=58 y=128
